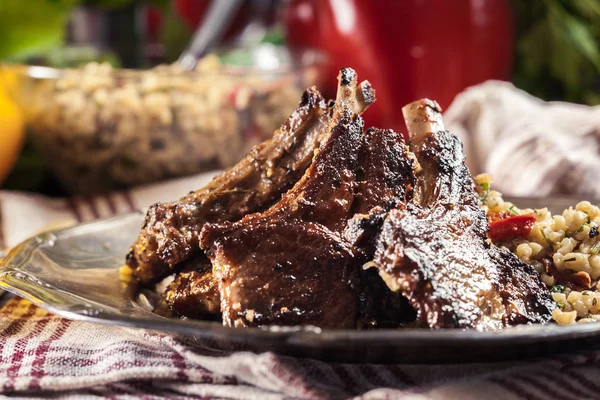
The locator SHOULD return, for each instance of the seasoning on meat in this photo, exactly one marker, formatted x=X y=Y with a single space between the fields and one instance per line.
x=330 y=226
x=317 y=281
x=169 y=238
x=435 y=252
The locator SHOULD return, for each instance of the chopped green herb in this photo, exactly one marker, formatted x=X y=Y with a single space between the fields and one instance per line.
x=546 y=238
x=595 y=248
x=512 y=210
x=571 y=259
x=560 y=305
x=557 y=289
x=586 y=293
x=485 y=187
x=581 y=227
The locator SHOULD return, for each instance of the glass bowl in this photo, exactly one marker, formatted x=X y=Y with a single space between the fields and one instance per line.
x=102 y=129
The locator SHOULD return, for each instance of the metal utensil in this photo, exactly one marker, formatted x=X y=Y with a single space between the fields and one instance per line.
x=209 y=31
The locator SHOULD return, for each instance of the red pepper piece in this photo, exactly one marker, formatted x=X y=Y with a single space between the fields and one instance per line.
x=508 y=228
x=497 y=216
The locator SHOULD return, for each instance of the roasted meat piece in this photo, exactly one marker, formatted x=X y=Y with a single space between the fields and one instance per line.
x=286 y=273
x=435 y=251
x=386 y=171
x=194 y=293
x=170 y=232
x=289 y=265
x=385 y=178
x=330 y=226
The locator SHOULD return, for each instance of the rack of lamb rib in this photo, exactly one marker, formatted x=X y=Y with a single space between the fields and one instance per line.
x=331 y=225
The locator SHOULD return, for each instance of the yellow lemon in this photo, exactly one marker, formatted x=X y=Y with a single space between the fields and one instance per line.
x=11 y=133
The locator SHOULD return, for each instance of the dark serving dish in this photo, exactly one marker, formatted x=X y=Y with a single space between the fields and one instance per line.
x=76 y=273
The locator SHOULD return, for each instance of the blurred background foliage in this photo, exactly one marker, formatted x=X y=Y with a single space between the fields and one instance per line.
x=557 y=49
x=25 y=33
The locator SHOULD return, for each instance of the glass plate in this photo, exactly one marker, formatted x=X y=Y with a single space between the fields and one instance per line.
x=75 y=273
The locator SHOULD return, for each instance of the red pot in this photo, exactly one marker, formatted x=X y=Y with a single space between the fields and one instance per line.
x=408 y=49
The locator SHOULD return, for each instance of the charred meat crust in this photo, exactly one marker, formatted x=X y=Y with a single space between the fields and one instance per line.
x=315 y=279
x=385 y=175
x=435 y=251
x=170 y=232
x=193 y=294
x=307 y=276
x=289 y=229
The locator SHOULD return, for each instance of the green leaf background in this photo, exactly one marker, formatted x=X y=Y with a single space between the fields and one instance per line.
x=28 y=27
x=557 y=49
x=31 y=27
x=557 y=41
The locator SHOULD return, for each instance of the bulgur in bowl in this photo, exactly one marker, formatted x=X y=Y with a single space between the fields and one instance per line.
x=102 y=128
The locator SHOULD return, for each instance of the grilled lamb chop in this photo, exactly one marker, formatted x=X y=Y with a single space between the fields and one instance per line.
x=385 y=175
x=385 y=178
x=170 y=232
x=194 y=293
x=288 y=265
x=435 y=250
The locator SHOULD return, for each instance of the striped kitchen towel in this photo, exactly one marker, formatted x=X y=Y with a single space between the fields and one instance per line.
x=532 y=148
x=23 y=215
x=42 y=356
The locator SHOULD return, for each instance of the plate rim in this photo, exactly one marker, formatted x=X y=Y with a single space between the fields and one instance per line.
x=304 y=336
